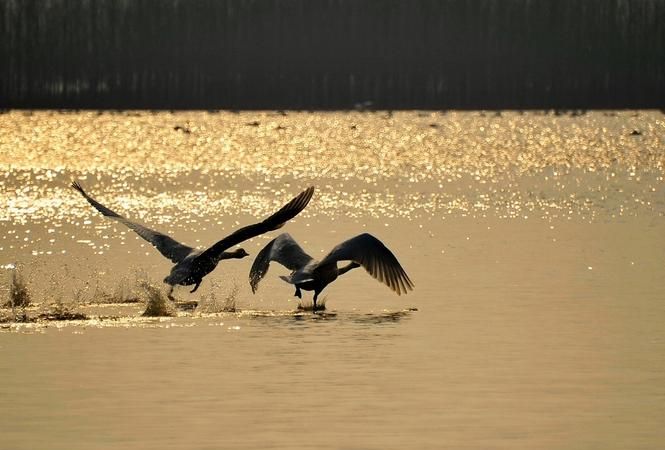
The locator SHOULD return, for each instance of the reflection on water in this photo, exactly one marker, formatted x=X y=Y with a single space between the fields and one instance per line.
x=114 y=316
x=535 y=242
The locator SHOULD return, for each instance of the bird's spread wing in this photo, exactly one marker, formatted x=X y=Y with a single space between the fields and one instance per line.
x=283 y=249
x=167 y=246
x=286 y=213
x=375 y=257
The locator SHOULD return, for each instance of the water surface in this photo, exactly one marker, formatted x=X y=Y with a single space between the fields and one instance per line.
x=535 y=242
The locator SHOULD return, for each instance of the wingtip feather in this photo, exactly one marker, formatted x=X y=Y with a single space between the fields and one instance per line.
x=77 y=186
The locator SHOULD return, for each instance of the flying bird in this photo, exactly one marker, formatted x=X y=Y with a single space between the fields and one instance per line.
x=363 y=250
x=191 y=265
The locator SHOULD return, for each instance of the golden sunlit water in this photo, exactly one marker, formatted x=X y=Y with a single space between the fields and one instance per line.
x=535 y=241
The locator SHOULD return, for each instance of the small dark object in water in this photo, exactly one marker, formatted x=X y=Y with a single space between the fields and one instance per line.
x=253 y=123
x=363 y=106
x=433 y=125
x=412 y=309
x=636 y=133
x=183 y=129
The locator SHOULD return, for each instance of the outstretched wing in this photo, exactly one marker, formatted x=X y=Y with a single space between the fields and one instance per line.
x=375 y=257
x=284 y=250
x=167 y=246
x=277 y=220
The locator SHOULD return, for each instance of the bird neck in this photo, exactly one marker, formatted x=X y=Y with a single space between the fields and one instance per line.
x=229 y=255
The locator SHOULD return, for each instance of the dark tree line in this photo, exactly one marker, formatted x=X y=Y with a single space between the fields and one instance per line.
x=332 y=53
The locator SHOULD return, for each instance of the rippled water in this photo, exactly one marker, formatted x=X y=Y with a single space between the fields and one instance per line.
x=535 y=242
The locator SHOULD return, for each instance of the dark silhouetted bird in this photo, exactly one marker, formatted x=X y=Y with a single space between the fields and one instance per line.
x=191 y=265
x=363 y=250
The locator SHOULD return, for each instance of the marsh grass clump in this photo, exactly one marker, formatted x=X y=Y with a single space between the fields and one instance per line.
x=157 y=303
x=308 y=305
x=19 y=296
x=215 y=303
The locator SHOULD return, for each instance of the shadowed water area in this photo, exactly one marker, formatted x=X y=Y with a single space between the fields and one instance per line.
x=535 y=242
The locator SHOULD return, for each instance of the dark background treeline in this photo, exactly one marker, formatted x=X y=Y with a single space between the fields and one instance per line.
x=332 y=53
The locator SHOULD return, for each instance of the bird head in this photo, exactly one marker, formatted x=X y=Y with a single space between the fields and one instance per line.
x=240 y=253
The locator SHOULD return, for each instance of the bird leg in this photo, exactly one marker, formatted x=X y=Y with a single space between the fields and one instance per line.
x=170 y=293
x=198 y=283
x=316 y=295
x=298 y=293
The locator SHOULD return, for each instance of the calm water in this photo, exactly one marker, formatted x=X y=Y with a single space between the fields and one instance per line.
x=535 y=242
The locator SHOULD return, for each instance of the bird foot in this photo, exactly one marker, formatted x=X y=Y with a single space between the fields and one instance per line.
x=198 y=283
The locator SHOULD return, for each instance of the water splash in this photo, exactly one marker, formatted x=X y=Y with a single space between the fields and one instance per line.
x=214 y=303
x=19 y=296
x=157 y=303
x=308 y=305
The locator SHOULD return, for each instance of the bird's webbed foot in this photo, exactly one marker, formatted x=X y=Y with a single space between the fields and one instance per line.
x=198 y=283
x=169 y=294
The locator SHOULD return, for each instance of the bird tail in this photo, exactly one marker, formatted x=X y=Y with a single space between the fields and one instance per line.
x=287 y=279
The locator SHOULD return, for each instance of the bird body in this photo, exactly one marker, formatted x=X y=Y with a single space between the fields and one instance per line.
x=311 y=275
x=191 y=265
x=193 y=268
